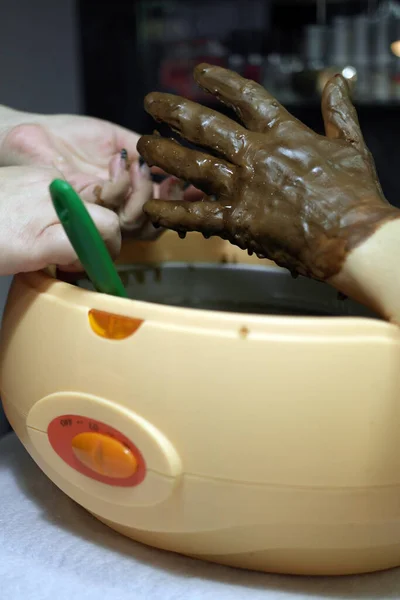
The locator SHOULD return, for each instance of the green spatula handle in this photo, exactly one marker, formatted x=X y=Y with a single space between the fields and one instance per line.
x=86 y=239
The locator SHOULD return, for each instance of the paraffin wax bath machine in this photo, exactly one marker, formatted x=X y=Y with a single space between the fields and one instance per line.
x=225 y=411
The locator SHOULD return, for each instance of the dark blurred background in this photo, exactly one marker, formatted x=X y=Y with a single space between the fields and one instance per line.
x=290 y=46
x=101 y=58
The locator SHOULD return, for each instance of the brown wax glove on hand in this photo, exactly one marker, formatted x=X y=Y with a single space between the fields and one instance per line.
x=282 y=191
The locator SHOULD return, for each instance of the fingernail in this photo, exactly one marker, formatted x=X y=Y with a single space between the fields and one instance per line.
x=123 y=163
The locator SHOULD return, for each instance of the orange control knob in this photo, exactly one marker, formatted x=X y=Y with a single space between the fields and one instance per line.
x=104 y=455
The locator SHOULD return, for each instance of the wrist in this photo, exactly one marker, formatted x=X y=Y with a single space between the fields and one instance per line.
x=371 y=271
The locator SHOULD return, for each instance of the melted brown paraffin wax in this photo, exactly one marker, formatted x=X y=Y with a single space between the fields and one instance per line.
x=282 y=191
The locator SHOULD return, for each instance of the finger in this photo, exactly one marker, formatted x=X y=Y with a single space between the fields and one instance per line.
x=206 y=217
x=199 y=125
x=131 y=215
x=341 y=121
x=169 y=189
x=340 y=115
x=149 y=233
x=256 y=108
x=209 y=174
x=191 y=194
x=113 y=193
x=118 y=166
x=107 y=223
x=54 y=247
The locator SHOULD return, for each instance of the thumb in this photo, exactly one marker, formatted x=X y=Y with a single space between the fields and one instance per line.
x=339 y=114
x=341 y=121
x=54 y=247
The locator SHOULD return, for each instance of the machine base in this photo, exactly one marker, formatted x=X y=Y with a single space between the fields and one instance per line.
x=318 y=562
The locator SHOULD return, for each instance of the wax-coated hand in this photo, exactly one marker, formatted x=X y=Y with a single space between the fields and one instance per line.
x=31 y=236
x=280 y=190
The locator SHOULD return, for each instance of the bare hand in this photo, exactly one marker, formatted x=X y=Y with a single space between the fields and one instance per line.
x=99 y=159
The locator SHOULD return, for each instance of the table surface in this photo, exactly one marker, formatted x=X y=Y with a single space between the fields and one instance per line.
x=50 y=548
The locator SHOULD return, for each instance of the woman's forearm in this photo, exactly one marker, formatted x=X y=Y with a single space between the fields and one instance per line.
x=371 y=272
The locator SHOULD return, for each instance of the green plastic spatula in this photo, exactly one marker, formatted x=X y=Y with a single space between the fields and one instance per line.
x=86 y=239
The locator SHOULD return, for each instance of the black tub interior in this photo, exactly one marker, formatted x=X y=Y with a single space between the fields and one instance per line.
x=234 y=288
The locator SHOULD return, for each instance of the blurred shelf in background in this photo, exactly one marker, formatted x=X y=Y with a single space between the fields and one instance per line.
x=292 y=47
